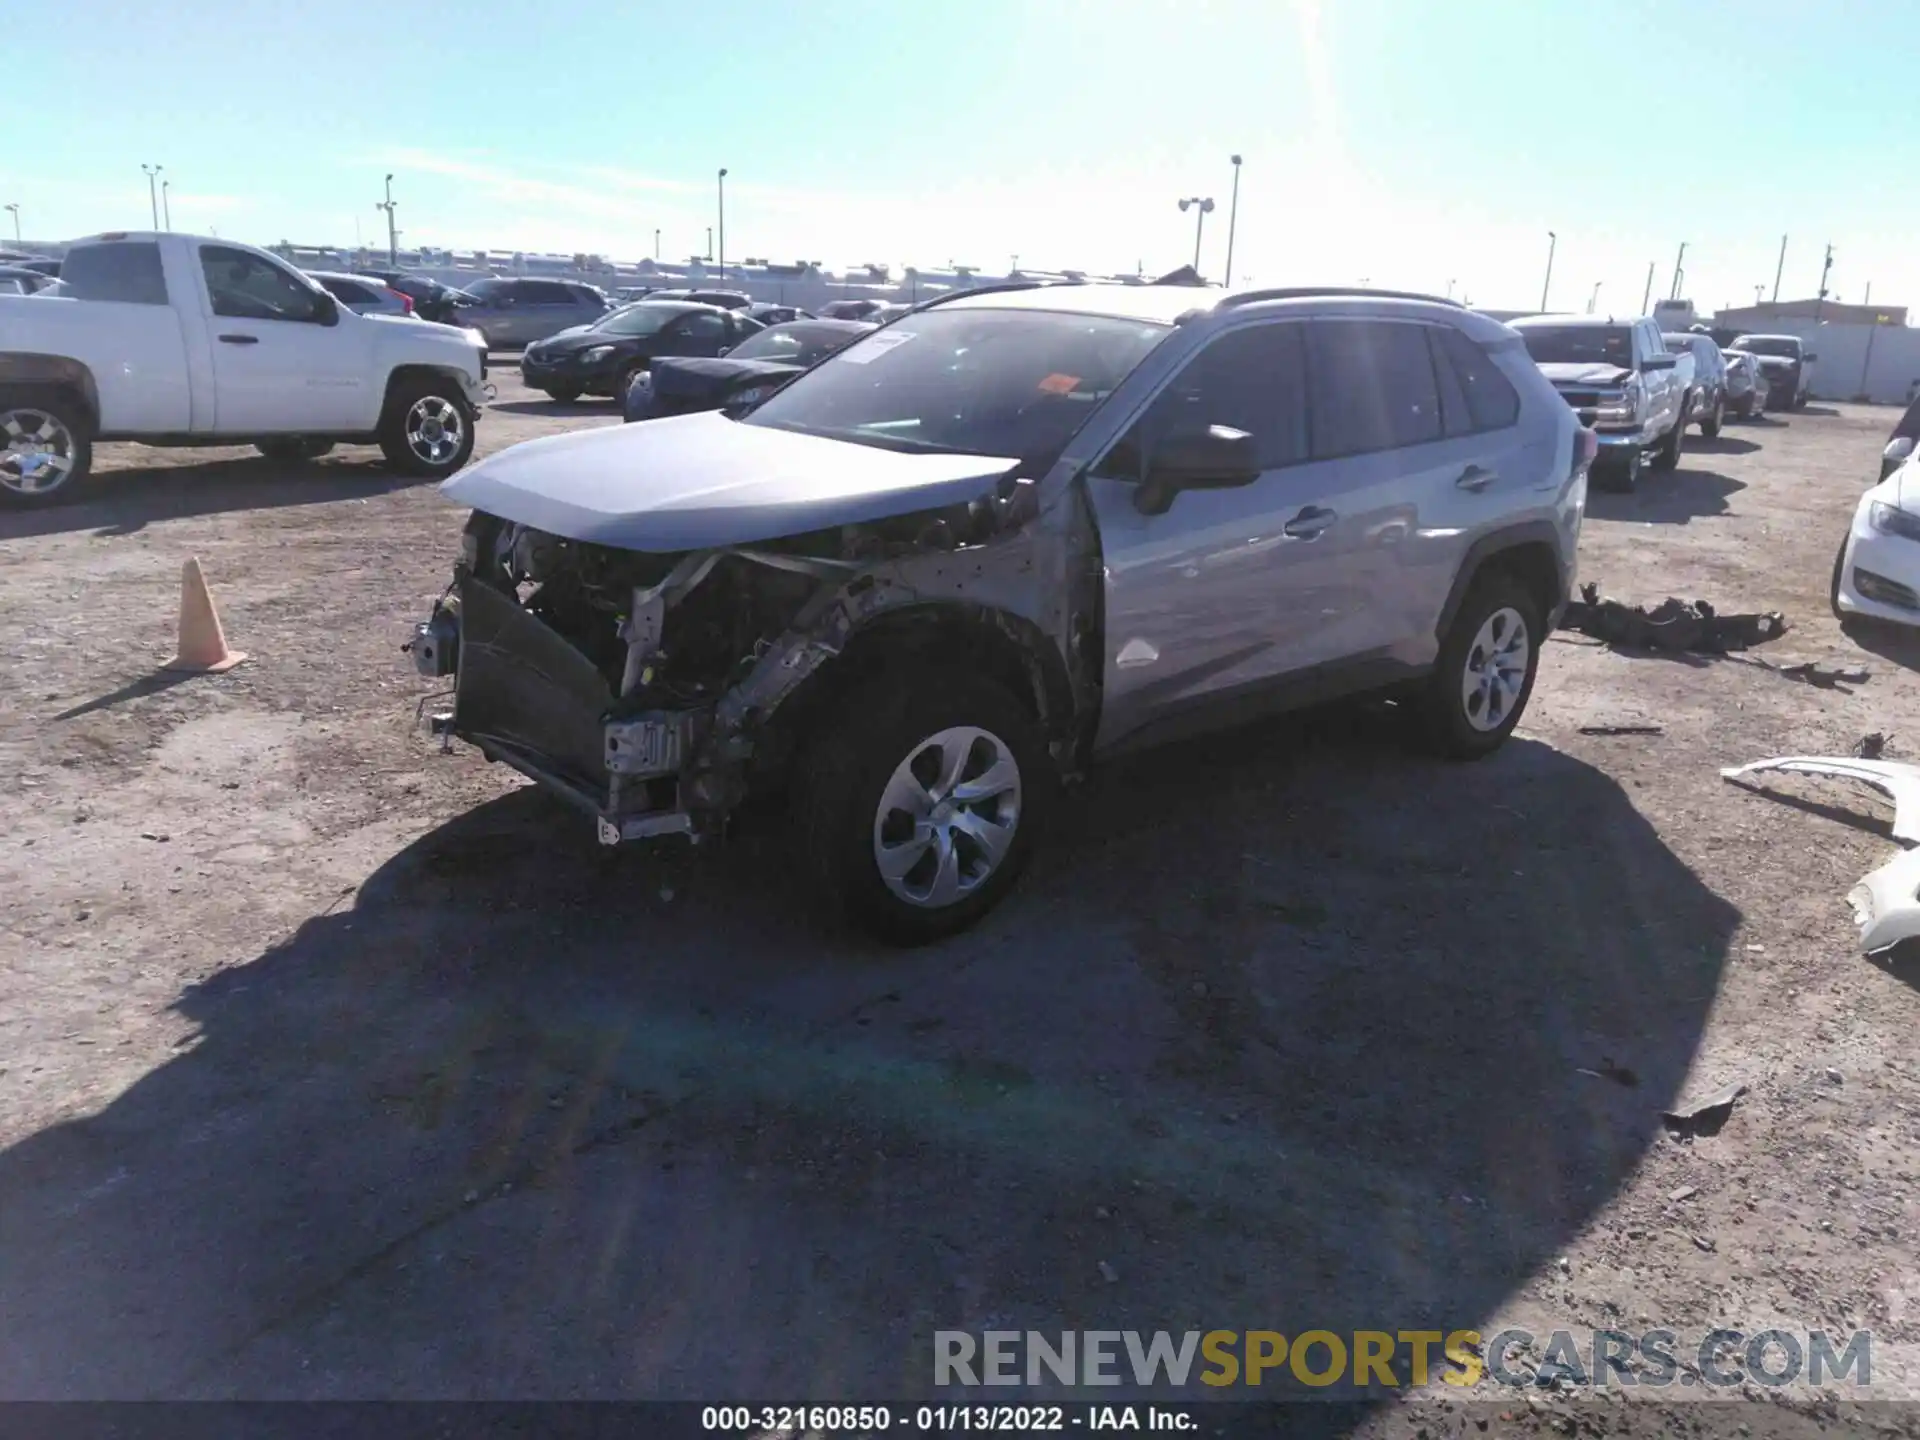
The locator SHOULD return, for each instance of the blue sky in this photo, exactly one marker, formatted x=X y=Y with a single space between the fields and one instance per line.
x=1402 y=143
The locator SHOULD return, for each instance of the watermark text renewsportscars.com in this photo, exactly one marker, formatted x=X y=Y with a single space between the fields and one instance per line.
x=1370 y=1359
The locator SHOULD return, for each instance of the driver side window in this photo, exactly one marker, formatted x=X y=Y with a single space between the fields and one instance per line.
x=1252 y=379
x=245 y=287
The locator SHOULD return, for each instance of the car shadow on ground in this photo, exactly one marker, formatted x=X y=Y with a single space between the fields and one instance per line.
x=1722 y=444
x=1897 y=644
x=1289 y=1030
x=600 y=405
x=1667 y=497
x=125 y=501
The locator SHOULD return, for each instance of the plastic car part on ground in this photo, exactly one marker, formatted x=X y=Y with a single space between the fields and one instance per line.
x=1671 y=625
x=1886 y=902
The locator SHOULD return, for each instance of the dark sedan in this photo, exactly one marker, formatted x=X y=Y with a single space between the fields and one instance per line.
x=605 y=357
x=749 y=374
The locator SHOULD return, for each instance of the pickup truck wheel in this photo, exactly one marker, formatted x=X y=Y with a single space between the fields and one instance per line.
x=1484 y=676
x=1620 y=471
x=427 y=429
x=1666 y=455
x=920 y=801
x=1710 y=427
x=294 y=452
x=46 y=447
x=565 y=394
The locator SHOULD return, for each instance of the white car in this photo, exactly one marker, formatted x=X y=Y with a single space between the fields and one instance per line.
x=362 y=294
x=172 y=339
x=1877 y=573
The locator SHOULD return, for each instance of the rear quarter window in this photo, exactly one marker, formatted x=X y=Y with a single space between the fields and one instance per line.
x=1474 y=395
x=126 y=271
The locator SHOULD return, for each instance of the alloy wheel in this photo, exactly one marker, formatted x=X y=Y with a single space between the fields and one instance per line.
x=435 y=428
x=947 y=817
x=1496 y=670
x=39 y=451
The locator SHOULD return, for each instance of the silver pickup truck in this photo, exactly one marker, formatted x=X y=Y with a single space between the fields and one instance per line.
x=1620 y=378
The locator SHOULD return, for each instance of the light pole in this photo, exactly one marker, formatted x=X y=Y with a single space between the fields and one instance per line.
x=153 y=195
x=1820 y=300
x=709 y=254
x=723 y=221
x=1233 y=217
x=1553 y=243
x=14 y=210
x=1013 y=262
x=166 y=204
x=1646 y=295
x=656 y=245
x=1777 y=269
x=1594 y=299
x=1204 y=207
x=393 y=235
x=1679 y=273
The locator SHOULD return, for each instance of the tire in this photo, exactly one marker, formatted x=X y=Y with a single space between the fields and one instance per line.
x=1833 y=586
x=294 y=451
x=427 y=428
x=624 y=382
x=862 y=749
x=1710 y=427
x=1666 y=455
x=565 y=394
x=1622 y=473
x=1743 y=407
x=46 y=446
x=1452 y=715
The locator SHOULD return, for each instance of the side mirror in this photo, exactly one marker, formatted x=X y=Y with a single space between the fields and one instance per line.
x=723 y=350
x=326 y=309
x=1216 y=458
x=1809 y=358
x=1657 y=362
x=1898 y=450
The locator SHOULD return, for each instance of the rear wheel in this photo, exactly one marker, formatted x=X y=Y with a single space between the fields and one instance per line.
x=1743 y=407
x=46 y=446
x=1484 y=675
x=294 y=451
x=1710 y=426
x=565 y=394
x=427 y=428
x=625 y=382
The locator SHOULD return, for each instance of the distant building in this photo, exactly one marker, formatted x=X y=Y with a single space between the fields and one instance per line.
x=1758 y=317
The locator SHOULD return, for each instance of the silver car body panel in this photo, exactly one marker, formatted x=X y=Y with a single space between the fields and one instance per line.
x=1899 y=782
x=694 y=482
x=1886 y=903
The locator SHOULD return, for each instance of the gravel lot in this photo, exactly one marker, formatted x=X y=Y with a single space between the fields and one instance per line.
x=331 y=1066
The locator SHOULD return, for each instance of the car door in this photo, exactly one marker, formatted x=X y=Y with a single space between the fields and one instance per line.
x=284 y=360
x=543 y=309
x=1204 y=601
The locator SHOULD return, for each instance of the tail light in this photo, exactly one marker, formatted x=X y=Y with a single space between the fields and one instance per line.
x=1586 y=449
x=406 y=301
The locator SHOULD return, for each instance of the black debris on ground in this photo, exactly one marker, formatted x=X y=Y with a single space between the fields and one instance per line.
x=1671 y=625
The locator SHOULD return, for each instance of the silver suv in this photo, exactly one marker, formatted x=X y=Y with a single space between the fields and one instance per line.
x=1013 y=532
x=515 y=312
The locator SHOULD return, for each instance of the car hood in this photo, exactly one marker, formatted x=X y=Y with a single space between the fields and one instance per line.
x=701 y=376
x=422 y=332
x=584 y=337
x=693 y=482
x=1586 y=373
x=1775 y=362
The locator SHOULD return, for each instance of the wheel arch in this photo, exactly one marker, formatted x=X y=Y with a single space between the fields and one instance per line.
x=61 y=372
x=1529 y=552
x=402 y=376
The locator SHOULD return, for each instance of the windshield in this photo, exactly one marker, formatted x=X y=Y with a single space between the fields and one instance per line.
x=963 y=381
x=1781 y=345
x=796 y=344
x=1579 y=344
x=640 y=319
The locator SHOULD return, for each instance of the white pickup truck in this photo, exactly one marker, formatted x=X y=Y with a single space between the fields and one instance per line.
x=177 y=340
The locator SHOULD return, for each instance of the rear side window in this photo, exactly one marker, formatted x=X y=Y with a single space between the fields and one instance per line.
x=544 y=292
x=1474 y=395
x=1373 y=387
x=1252 y=379
x=347 y=291
x=124 y=270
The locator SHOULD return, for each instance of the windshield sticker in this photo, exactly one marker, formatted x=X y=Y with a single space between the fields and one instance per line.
x=1058 y=384
x=874 y=346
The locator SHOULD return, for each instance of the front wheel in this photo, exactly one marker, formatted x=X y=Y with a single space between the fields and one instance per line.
x=1666 y=455
x=1621 y=471
x=1484 y=675
x=46 y=446
x=427 y=428
x=921 y=800
x=1710 y=427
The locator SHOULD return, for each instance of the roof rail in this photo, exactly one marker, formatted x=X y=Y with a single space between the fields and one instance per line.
x=994 y=290
x=1308 y=292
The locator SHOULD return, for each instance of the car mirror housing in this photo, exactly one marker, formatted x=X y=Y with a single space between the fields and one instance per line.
x=1657 y=362
x=1218 y=457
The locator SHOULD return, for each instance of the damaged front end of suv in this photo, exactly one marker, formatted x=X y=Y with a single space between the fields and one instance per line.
x=656 y=690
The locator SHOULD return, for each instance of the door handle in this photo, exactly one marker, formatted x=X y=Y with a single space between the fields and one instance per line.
x=1308 y=523
x=239 y=339
x=1476 y=478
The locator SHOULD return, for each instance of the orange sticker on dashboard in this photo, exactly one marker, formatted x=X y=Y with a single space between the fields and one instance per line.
x=1060 y=384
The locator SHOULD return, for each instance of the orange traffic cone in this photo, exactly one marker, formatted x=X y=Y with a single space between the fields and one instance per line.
x=203 y=645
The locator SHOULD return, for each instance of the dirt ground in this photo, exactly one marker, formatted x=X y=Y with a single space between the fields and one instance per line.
x=331 y=1066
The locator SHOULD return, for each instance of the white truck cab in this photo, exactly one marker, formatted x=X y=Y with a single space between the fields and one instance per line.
x=180 y=340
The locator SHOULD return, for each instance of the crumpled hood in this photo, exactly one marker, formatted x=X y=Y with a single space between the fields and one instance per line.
x=691 y=482
x=1587 y=373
